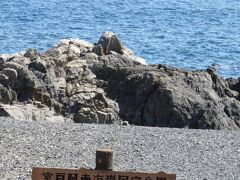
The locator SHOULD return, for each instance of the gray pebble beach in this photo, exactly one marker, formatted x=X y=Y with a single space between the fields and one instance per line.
x=191 y=154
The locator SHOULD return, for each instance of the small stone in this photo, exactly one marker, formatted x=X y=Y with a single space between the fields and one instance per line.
x=125 y=123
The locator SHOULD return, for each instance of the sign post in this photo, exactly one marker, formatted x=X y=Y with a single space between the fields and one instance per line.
x=103 y=171
x=104 y=159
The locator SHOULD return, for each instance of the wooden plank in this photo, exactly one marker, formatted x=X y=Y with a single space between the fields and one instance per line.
x=91 y=174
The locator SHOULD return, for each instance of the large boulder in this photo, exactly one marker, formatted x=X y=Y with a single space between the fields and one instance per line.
x=109 y=43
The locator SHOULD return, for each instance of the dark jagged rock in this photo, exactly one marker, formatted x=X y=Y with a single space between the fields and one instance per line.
x=234 y=84
x=107 y=83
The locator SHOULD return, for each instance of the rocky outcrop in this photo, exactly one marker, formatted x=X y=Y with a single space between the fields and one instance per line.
x=109 y=43
x=107 y=83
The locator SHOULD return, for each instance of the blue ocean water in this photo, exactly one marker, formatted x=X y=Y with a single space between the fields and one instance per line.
x=185 y=33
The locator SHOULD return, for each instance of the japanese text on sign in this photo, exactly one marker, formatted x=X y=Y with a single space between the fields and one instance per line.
x=86 y=174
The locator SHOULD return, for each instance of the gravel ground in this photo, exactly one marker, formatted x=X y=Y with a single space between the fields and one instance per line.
x=191 y=154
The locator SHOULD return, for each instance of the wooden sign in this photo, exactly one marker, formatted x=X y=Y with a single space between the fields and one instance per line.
x=91 y=174
x=103 y=171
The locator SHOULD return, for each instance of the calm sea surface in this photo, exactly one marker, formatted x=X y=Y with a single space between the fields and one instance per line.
x=186 y=33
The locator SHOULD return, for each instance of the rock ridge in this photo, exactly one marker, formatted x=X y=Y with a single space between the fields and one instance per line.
x=76 y=81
